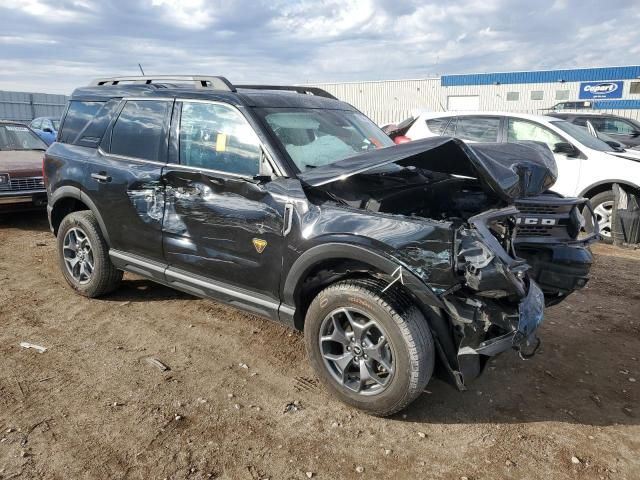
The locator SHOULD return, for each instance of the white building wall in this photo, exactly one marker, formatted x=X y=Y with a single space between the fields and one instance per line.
x=391 y=101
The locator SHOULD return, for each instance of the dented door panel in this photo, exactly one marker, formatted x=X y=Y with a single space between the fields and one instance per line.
x=130 y=190
x=224 y=228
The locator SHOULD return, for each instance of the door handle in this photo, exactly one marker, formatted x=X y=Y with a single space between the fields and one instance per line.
x=101 y=177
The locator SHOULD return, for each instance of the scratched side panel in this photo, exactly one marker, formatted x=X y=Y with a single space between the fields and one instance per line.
x=425 y=246
x=131 y=203
x=212 y=225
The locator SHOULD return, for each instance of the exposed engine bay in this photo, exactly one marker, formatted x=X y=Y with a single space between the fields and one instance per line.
x=499 y=281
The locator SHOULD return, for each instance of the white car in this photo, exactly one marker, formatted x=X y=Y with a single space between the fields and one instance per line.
x=587 y=166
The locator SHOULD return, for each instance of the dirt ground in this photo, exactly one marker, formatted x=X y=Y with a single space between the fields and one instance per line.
x=92 y=406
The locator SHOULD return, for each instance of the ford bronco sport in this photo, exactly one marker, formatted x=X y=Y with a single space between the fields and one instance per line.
x=292 y=205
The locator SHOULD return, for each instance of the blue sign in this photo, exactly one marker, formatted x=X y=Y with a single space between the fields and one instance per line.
x=595 y=90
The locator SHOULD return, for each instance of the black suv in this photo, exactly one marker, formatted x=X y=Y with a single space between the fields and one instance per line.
x=290 y=204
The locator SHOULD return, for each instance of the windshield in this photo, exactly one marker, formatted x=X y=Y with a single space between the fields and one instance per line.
x=582 y=135
x=314 y=137
x=17 y=137
x=56 y=124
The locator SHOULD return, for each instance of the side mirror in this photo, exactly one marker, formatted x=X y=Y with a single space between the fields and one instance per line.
x=565 y=148
x=635 y=133
x=47 y=130
x=615 y=145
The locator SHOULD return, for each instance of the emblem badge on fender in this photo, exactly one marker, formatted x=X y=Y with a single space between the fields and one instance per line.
x=259 y=244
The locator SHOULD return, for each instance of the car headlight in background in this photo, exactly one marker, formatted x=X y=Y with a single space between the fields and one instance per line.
x=4 y=181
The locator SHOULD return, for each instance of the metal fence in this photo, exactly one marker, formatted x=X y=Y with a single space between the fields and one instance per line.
x=25 y=106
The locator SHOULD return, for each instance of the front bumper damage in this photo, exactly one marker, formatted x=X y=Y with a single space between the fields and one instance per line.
x=497 y=306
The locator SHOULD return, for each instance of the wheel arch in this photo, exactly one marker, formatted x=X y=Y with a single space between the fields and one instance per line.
x=604 y=185
x=69 y=199
x=325 y=264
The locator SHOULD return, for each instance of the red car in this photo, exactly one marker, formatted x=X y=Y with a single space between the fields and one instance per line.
x=21 y=182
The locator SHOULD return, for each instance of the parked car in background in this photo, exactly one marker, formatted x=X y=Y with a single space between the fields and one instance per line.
x=293 y=205
x=621 y=129
x=574 y=105
x=46 y=128
x=21 y=183
x=587 y=166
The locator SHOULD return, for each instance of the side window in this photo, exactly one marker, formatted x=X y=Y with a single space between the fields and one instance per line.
x=78 y=116
x=437 y=125
x=140 y=131
x=520 y=130
x=37 y=123
x=46 y=123
x=617 y=127
x=218 y=137
x=451 y=128
x=478 y=129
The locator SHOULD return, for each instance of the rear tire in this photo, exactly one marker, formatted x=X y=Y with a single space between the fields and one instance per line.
x=84 y=256
x=602 y=204
x=373 y=350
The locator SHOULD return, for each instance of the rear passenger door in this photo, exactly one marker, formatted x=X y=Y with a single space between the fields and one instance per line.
x=123 y=177
x=223 y=227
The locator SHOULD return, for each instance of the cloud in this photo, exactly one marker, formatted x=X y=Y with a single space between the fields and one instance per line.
x=56 y=46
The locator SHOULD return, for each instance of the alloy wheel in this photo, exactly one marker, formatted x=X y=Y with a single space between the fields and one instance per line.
x=356 y=351
x=78 y=255
x=603 y=214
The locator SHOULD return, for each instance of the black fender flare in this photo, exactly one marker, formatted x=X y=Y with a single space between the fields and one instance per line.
x=427 y=301
x=605 y=182
x=345 y=251
x=69 y=191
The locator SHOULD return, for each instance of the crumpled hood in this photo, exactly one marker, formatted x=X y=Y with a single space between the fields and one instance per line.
x=510 y=170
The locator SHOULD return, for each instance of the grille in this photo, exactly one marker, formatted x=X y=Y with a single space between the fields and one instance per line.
x=535 y=231
x=25 y=183
x=539 y=209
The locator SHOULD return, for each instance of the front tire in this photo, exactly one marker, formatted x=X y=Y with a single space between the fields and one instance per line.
x=602 y=204
x=84 y=256
x=373 y=350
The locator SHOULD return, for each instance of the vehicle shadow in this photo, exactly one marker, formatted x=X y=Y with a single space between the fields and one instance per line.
x=550 y=387
x=34 y=221
x=142 y=290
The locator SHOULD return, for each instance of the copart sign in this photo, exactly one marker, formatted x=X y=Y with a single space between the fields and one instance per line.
x=601 y=90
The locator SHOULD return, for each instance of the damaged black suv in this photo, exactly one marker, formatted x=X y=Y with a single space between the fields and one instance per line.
x=292 y=205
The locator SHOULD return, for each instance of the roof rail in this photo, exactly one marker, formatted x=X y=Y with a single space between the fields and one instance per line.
x=292 y=88
x=199 y=81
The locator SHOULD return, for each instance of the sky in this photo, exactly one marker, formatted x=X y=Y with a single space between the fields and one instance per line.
x=54 y=46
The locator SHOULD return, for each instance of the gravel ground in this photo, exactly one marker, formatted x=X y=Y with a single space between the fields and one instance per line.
x=93 y=406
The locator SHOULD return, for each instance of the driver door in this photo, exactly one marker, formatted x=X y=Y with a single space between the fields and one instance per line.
x=222 y=229
x=568 y=167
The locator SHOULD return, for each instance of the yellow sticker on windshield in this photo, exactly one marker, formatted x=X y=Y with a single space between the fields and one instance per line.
x=221 y=142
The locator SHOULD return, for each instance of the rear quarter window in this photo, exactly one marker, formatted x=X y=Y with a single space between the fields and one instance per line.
x=78 y=116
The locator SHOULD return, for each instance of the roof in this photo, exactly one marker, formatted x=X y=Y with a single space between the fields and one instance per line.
x=544 y=76
x=525 y=116
x=589 y=113
x=241 y=97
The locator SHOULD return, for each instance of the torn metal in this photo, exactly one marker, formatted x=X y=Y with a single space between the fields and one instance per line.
x=450 y=214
